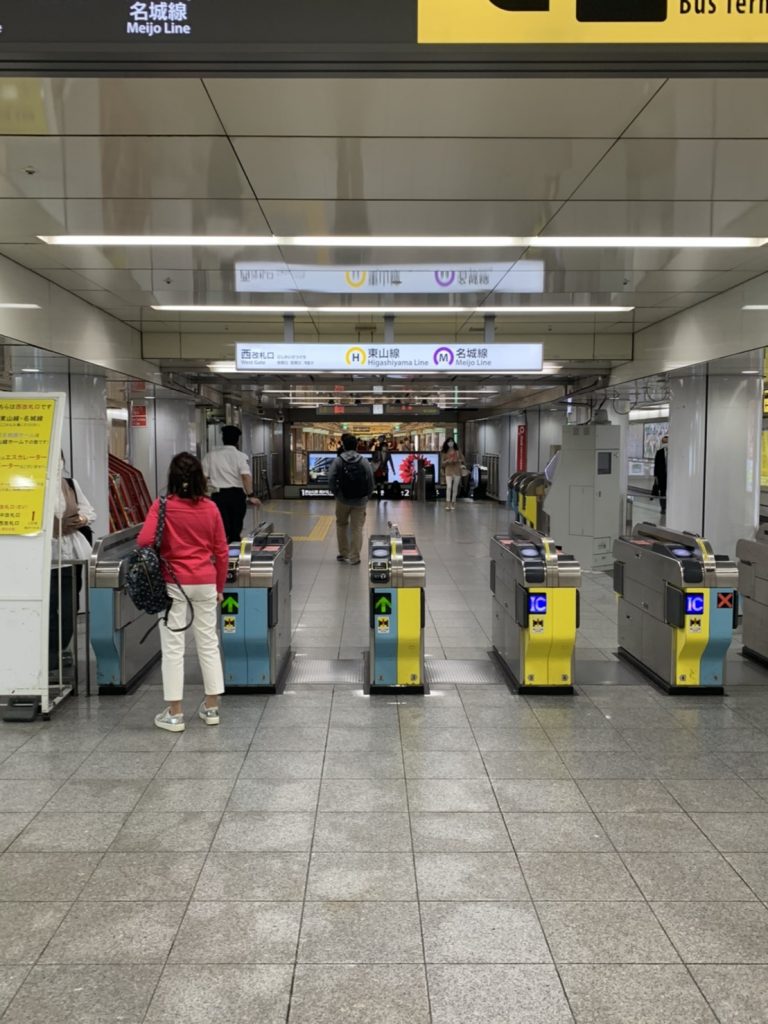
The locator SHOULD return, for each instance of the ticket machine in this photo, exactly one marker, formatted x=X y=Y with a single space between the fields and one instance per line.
x=535 y=610
x=752 y=558
x=117 y=627
x=678 y=603
x=255 y=613
x=397 y=576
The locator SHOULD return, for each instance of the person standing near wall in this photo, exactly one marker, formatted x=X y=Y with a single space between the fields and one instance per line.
x=453 y=464
x=351 y=479
x=229 y=477
x=660 y=473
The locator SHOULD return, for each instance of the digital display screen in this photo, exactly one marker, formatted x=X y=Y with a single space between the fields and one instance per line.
x=405 y=465
x=319 y=465
x=682 y=552
x=529 y=552
x=694 y=604
x=537 y=604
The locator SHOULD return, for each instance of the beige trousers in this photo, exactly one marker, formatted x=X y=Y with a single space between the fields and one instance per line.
x=349 y=529
x=203 y=629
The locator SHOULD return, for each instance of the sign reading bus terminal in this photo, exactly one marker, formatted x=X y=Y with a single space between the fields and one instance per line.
x=593 y=21
x=291 y=358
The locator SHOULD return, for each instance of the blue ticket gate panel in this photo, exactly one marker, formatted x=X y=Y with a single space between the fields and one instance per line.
x=397 y=577
x=122 y=638
x=678 y=603
x=255 y=613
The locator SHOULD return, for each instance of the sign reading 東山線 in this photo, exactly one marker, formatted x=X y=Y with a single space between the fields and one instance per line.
x=388 y=358
x=593 y=21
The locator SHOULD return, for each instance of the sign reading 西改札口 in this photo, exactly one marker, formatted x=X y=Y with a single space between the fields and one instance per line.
x=286 y=358
x=25 y=449
x=586 y=22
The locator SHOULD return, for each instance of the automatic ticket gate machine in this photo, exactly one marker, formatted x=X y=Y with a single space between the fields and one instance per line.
x=117 y=627
x=678 y=603
x=752 y=557
x=535 y=592
x=255 y=613
x=397 y=576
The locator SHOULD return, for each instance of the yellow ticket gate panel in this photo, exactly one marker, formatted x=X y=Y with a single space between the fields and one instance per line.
x=678 y=604
x=535 y=610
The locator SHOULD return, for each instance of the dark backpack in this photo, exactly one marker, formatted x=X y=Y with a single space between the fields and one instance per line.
x=353 y=481
x=144 y=582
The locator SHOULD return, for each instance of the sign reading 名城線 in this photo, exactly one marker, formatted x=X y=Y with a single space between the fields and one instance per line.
x=26 y=425
x=280 y=357
x=679 y=22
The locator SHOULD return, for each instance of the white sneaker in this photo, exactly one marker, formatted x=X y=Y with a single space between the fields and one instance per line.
x=209 y=715
x=171 y=723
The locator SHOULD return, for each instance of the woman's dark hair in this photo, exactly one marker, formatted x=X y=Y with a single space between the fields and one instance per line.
x=185 y=477
x=447 y=441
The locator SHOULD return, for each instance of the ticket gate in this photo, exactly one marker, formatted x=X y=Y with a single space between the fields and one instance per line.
x=397 y=576
x=117 y=627
x=678 y=603
x=752 y=558
x=535 y=592
x=255 y=612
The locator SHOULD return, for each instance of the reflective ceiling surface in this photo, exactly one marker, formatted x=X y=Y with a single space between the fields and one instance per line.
x=371 y=157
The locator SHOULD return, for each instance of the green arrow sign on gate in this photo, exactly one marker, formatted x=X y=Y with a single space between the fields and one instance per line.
x=383 y=604
x=230 y=604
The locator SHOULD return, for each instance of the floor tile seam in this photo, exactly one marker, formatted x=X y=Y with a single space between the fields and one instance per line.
x=414 y=867
x=304 y=899
x=29 y=969
x=516 y=855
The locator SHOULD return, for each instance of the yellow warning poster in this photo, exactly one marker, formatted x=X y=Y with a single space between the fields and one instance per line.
x=588 y=22
x=25 y=443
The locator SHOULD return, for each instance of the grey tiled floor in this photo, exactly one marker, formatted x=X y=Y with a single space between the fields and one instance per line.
x=470 y=857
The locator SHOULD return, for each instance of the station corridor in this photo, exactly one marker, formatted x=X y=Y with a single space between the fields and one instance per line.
x=468 y=857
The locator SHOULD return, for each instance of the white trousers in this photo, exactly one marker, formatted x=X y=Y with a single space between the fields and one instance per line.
x=452 y=487
x=172 y=645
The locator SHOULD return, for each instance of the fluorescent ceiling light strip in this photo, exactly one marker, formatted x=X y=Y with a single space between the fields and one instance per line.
x=418 y=241
x=753 y=308
x=19 y=305
x=395 y=310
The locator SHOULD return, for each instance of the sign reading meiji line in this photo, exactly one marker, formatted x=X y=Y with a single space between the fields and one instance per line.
x=593 y=21
x=472 y=358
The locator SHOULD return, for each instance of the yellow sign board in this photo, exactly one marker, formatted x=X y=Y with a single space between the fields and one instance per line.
x=593 y=21
x=25 y=448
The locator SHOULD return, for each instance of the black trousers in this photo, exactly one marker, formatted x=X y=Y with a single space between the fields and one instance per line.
x=231 y=503
x=67 y=612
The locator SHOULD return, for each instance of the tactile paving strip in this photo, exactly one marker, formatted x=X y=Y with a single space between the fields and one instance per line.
x=439 y=672
x=312 y=670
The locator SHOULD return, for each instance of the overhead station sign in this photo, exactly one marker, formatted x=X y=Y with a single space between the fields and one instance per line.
x=281 y=358
x=588 y=22
x=527 y=276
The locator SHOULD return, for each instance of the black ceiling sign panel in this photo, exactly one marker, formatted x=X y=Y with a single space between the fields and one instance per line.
x=315 y=37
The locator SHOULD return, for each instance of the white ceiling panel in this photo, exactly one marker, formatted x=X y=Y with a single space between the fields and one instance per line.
x=346 y=168
x=706 y=108
x=621 y=217
x=126 y=167
x=403 y=217
x=106 y=106
x=432 y=107
x=681 y=169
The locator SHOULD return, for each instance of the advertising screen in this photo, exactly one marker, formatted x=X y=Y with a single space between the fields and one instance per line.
x=405 y=465
x=319 y=465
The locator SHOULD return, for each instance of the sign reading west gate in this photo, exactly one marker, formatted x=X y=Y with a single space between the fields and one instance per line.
x=588 y=22
x=473 y=358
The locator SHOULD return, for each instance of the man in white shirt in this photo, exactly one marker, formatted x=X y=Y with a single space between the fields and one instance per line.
x=229 y=477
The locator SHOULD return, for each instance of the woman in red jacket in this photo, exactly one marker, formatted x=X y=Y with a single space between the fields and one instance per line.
x=195 y=547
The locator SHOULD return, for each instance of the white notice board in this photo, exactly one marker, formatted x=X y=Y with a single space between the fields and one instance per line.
x=30 y=445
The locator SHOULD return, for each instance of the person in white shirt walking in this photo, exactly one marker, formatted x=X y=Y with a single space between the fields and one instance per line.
x=229 y=477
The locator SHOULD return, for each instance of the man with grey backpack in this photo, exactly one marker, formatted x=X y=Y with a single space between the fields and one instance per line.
x=351 y=480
